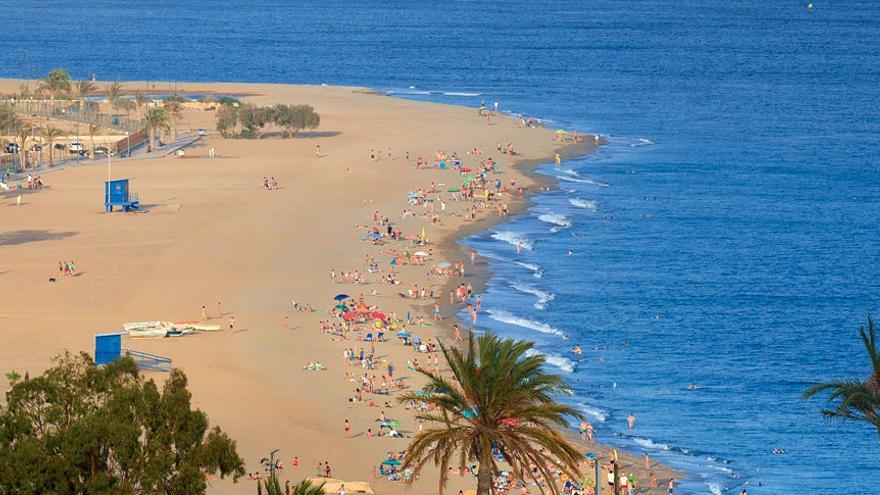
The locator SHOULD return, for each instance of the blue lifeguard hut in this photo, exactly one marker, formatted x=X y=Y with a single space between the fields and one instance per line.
x=116 y=193
x=108 y=347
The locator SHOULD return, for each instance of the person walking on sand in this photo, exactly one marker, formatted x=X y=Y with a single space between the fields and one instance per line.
x=647 y=461
x=318 y=150
x=231 y=322
x=204 y=313
x=295 y=462
x=632 y=421
x=347 y=429
x=219 y=313
x=670 y=487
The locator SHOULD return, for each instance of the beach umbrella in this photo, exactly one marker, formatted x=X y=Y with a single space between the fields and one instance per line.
x=362 y=308
x=393 y=422
x=378 y=315
x=341 y=307
x=421 y=253
x=453 y=189
x=423 y=233
x=403 y=334
x=444 y=264
x=590 y=455
x=349 y=315
x=465 y=170
x=341 y=297
x=391 y=462
x=393 y=261
x=374 y=235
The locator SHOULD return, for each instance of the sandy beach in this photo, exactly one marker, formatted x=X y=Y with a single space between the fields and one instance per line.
x=210 y=235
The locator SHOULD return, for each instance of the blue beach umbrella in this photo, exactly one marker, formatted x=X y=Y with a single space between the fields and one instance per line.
x=403 y=334
x=341 y=297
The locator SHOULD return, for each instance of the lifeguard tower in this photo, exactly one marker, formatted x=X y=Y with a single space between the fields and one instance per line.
x=108 y=348
x=116 y=193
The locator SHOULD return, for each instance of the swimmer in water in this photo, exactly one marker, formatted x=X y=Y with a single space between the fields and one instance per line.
x=570 y=252
x=577 y=349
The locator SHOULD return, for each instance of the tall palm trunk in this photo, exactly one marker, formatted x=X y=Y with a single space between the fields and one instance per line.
x=484 y=476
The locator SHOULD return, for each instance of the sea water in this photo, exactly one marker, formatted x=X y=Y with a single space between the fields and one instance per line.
x=726 y=237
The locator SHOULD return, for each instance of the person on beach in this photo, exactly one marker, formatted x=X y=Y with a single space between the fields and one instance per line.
x=558 y=159
x=295 y=462
x=231 y=322
x=647 y=461
x=632 y=421
x=318 y=150
x=204 y=313
x=670 y=487
x=347 y=429
x=219 y=313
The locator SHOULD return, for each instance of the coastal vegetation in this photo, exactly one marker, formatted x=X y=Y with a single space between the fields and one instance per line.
x=81 y=428
x=250 y=121
x=856 y=399
x=499 y=402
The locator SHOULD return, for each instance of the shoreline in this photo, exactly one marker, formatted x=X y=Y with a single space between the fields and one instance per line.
x=186 y=237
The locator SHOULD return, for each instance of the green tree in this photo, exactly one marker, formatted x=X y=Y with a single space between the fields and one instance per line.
x=294 y=118
x=856 y=400
x=254 y=118
x=86 y=429
x=51 y=134
x=227 y=119
x=501 y=396
x=56 y=83
x=83 y=88
x=157 y=120
x=23 y=136
x=114 y=92
x=8 y=119
x=174 y=110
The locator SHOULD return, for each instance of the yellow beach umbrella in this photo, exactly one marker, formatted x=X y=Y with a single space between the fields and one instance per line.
x=423 y=233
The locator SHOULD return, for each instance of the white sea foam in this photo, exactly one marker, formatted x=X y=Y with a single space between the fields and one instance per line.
x=714 y=488
x=594 y=412
x=560 y=362
x=543 y=297
x=583 y=181
x=557 y=219
x=535 y=268
x=454 y=93
x=647 y=443
x=512 y=319
x=584 y=203
x=513 y=238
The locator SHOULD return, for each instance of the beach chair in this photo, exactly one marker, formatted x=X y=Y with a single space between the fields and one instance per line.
x=368 y=337
x=380 y=337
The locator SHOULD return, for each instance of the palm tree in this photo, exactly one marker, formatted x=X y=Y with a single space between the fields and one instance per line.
x=173 y=109
x=156 y=120
x=51 y=134
x=93 y=129
x=859 y=400
x=83 y=88
x=114 y=92
x=500 y=397
x=24 y=134
x=141 y=100
x=57 y=83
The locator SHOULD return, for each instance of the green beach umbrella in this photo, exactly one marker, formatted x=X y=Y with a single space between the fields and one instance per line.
x=453 y=189
x=391 y=462
x=342 y=307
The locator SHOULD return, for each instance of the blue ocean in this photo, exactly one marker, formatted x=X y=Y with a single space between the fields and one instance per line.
x=726 y=237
